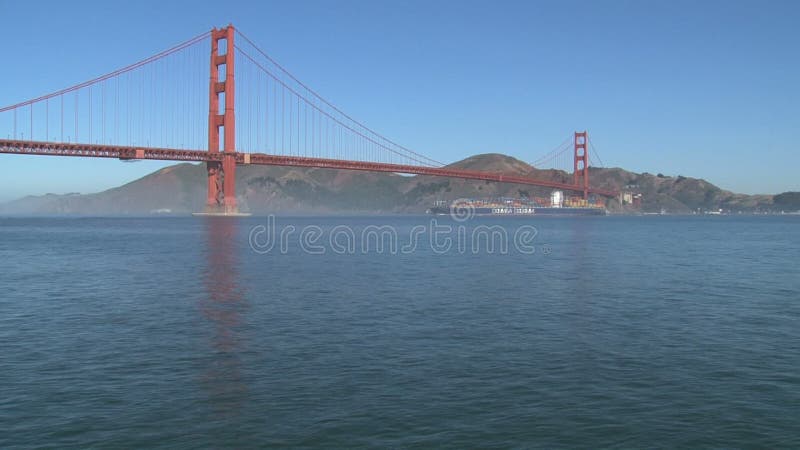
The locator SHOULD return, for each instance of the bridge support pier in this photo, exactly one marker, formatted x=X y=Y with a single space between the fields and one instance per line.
x=214 y=188
x=222 y=174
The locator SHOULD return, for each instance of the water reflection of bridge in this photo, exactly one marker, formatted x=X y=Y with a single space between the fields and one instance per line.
x=222 y=308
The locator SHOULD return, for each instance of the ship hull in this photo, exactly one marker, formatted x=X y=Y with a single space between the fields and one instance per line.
x=519 y=211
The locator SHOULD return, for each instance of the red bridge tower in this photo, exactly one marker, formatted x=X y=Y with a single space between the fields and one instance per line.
x=222 y=175
x=581 y=170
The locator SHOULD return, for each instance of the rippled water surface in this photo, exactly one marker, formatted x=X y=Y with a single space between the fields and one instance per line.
x=617 y=331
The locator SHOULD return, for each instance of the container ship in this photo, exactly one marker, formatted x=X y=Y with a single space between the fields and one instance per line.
x=556 y=205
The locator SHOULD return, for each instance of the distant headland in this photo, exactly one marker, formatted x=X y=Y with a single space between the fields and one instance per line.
x=180 y=190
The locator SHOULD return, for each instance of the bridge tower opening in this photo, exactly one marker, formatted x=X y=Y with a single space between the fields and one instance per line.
x=222 y=172
x=581 y=169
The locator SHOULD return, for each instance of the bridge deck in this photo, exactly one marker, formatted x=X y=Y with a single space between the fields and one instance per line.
x=166 y=154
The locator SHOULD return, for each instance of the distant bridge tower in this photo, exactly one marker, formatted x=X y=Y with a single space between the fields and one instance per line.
x=581 y=169
x=222 y=175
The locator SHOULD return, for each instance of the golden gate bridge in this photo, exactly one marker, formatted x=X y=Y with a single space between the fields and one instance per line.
x=181 y=105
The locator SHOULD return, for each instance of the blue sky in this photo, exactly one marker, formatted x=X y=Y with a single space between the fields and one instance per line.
x=706 y=89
